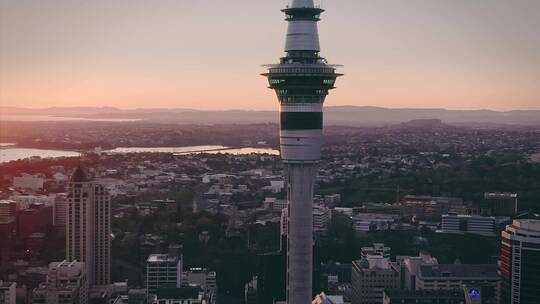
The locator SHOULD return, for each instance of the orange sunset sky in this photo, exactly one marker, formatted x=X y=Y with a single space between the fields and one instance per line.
x=455 y=54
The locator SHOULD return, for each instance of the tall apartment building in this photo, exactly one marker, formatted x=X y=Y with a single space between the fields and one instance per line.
x=88 y=227
x=370 y=277
x=8 y=292
x=520 y=263
x=475 y=224
x=164 y=270
x=66 y=284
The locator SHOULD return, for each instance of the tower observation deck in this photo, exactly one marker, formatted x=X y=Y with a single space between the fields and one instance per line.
x=301 y=81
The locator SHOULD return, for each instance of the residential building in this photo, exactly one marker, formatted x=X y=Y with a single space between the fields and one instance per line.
x=520 y=263
x=164 y=270
x=66 y=284
x=88 y=230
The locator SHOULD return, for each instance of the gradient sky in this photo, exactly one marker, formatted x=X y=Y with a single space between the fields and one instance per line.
x=456 y=54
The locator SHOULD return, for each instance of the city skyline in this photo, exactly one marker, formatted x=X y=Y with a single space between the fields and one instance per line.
x=423 y=54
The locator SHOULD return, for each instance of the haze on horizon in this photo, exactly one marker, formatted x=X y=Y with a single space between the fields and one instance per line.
x=459 y=54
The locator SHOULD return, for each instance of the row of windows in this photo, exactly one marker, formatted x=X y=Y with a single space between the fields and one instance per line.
x=301 y=70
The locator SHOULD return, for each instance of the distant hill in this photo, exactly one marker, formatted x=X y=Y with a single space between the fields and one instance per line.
x=339 y=115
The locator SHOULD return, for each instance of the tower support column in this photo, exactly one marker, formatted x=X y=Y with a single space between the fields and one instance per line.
x=300 y=181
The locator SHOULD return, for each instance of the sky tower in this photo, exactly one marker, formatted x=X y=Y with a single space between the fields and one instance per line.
x=301 y=81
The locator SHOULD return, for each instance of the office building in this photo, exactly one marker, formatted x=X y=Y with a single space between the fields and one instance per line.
x=60 y=211
x=183 y=295
x=8 y=292
x=454 y=276
x=378 y=249
x=66 y=284
x=37 y=218
x=88 y=228
x=301 y=81
x=322 y=216
x=370 y=277
x=164 y=270
x=271 y=274
x=500 y=204
x=203 y=278
x=28 y=182
x=396 y=296
x=410 y=268
x=475 y=224
x=8 y=209
x=520 y=263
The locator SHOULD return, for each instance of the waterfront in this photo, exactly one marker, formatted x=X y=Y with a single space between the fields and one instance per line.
x=8 y=154
x=60 y=118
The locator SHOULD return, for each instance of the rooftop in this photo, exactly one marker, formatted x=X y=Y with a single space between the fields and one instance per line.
x=154 y=258
x=459 y=270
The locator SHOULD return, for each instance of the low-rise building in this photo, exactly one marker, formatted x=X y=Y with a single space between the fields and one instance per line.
x=475 y=224
x=66 y=284
x=370 y=277
x=8 y=292
x=203 y=278
x=454 y=276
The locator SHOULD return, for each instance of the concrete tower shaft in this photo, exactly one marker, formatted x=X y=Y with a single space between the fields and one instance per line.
x=301 y=81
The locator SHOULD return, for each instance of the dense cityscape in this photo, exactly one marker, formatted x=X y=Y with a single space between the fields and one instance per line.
x=158 y=203
x=409 y=200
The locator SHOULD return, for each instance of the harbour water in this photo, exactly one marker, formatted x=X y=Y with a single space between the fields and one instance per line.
x=7 y=153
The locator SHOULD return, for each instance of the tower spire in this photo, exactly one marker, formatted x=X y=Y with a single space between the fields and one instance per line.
x=302 y=3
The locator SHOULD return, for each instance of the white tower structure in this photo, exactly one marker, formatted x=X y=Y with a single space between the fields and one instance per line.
x=301 y=81
x=88 y=227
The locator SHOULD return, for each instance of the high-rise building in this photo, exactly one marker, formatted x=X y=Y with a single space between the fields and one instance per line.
x=371 y=276
x=8 y=292
x=88 y=227
x=301 y=81
x=520 y=263
x=66 y=284
x=164 y=270
x=60 y=211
